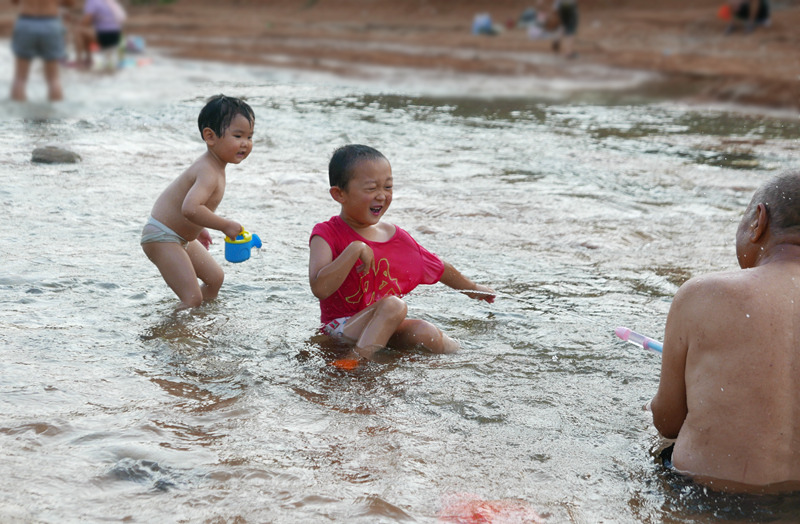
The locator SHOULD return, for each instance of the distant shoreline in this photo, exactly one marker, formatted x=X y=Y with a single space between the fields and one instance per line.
x=683 y=44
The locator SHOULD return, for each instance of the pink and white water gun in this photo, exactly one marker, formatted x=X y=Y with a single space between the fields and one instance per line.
x=638 y=339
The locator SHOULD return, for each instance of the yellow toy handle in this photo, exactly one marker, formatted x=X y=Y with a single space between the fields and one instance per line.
x=245 y=237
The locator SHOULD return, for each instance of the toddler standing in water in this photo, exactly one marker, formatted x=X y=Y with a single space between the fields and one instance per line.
x=175 y=237
x=359 y=266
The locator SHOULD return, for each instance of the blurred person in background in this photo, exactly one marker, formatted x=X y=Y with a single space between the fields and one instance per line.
x=101 y=25
x=751 y=13
x=38 y=33
x=79 y=37
x=567 y=13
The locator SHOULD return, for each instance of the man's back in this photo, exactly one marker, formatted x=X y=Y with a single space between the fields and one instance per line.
x=741 y=335
x=41 y=7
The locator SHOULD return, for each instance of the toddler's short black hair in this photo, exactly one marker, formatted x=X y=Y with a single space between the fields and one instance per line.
x=344 y=160
x=220 y=110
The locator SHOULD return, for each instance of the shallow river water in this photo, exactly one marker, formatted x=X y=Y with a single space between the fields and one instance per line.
x=583 y=214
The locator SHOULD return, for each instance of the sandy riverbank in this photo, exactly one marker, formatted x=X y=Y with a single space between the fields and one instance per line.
x=682 y=41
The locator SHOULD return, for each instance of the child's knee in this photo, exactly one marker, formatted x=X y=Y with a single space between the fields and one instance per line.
x=190 y=296
x=193 y=300
x=448 y=345
x=393 y=307
x=214 y=279
x=434 y=339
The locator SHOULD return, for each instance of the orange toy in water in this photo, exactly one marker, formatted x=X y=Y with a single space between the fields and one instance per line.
x=348 y=364
x=467 y=508
x=725 y=13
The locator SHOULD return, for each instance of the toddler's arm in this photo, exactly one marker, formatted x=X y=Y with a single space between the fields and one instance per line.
x=325 y=274
x=454 y=279
x=195 y=210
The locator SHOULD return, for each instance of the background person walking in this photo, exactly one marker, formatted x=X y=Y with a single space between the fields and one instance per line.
x=38 y=33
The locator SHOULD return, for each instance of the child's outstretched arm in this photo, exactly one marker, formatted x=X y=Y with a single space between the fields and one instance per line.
x=454 y=279
x=325 y=274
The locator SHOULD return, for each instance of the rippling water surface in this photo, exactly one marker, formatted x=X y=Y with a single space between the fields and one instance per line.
x=584 y=215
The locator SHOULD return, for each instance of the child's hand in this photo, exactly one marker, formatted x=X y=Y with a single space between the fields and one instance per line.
x=233 y=229
x=205 y=238
x=486 y=293
x=367 y=258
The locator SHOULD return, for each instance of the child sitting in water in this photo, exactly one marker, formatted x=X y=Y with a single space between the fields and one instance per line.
x=175 y=237
x=359 y=266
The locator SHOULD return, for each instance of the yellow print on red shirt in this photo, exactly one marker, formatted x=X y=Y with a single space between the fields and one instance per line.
x=375 y=284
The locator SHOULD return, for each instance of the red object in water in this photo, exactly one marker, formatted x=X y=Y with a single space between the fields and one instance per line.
x=467 y=508
x=725 y=13
x=347 y=364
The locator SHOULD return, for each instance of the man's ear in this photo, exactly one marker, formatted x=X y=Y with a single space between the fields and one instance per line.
x=760 y=223
x=337 y=193
x=209 y=136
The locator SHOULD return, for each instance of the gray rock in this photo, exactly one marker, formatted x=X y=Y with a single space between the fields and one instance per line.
x=54 y=155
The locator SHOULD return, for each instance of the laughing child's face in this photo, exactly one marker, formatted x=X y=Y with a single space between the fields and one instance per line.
x=368 y=193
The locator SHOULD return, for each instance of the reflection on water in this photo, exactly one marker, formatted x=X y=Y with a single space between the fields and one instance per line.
x=584 y=215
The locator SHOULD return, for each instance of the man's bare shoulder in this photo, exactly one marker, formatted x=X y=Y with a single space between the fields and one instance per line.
x=719 y=282
x=726 y=287
x=42 y=7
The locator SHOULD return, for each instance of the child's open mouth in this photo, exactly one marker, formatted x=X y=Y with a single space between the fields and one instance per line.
x=376 y=210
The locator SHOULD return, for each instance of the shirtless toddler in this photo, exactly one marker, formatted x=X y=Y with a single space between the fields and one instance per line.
x=175 y=237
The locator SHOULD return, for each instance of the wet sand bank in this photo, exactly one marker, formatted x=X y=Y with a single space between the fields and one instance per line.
x=681 y=45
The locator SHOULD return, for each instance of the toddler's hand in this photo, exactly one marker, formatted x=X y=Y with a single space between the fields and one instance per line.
x=233 y=229
x=486 y=293
x=205 y=238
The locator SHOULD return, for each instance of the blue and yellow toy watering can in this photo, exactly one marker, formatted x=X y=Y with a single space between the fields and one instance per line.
x=238 y=249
